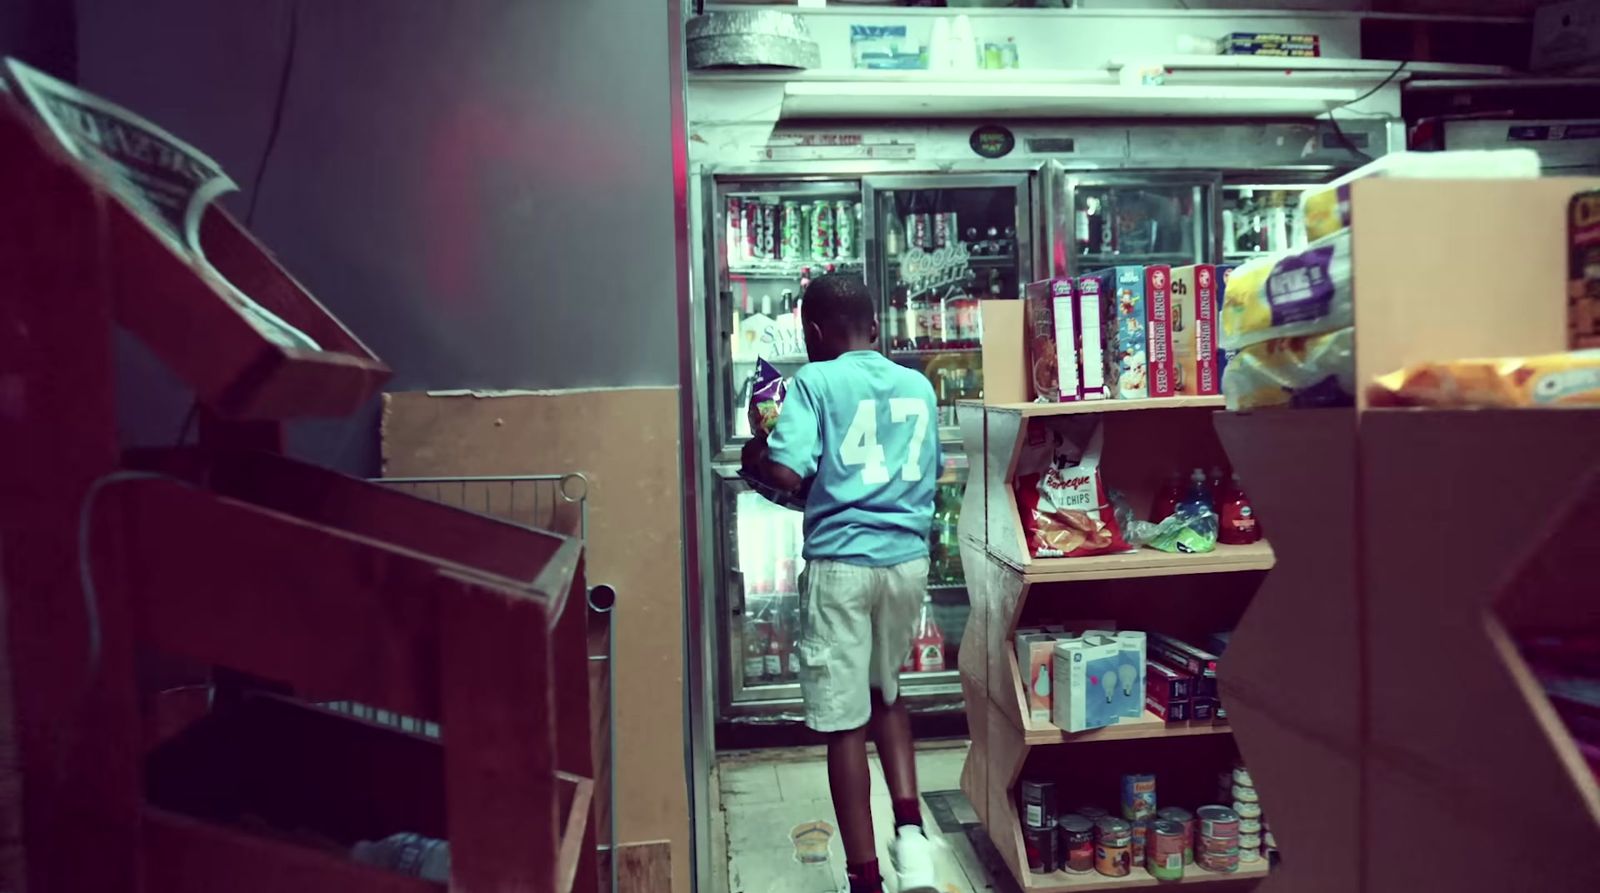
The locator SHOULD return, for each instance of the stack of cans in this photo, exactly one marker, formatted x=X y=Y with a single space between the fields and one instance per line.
x=1039 y=836
x=792 y=231
x=1218 y=845
x=1248 y=805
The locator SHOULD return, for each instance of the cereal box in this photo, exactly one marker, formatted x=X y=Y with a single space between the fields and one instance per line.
x=1583 y=274
x=1122 y=297
x=1091 y=343
x=1158 y=330
x=1193 y=314
x=1051 y=314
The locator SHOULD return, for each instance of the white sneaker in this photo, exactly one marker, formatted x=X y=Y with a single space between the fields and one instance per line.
x=911 y=855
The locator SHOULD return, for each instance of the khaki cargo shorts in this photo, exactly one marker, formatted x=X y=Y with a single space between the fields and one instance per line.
x=856 y=624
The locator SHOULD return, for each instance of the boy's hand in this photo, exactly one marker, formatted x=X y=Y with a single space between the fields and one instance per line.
x=754 y=454
x=753 y=459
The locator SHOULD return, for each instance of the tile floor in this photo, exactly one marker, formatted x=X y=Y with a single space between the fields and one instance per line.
x=767 y=796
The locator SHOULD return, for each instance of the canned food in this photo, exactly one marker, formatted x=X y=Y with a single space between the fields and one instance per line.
x=1040 y=844
x=844 y=230
x=1185 y=818
x=1113 y=849
x=1223 y=861
x=1217 y=821
x=1246 y=809
x=1092 y=813
x=1246 y=855
x=1165 y=851
x=1076 y=842
x=1217 y=844
x=1241 y=775
x=822 y=246
x=1141 y=835
x=1249 y=841
x=794 y=232
x=1038 y=803
x=769 y=231
x=1138 y=796
x=919 y=231
x=1245 y=794
x=750 y=229
x=1249 y=826
x=945 y=229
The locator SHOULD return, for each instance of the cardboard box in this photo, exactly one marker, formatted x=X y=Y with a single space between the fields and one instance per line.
x=1131 y=675
x=1123 y=309
x=1180 y=655
x=1167 y=692
x=1039 y=318
x=1034 y=654
x=1202 y=709
x=1085 y=683
x=1566 y=37
x=1583 y=270
x=1091 y=339
x=1158 y=330
x=1194 y=329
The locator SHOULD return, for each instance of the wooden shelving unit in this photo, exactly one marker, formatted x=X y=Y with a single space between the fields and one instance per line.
x=1374 y=683
x=1186 y=595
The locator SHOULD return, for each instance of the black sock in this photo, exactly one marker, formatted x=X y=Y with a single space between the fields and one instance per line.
x=864 y=878
x=906 y=812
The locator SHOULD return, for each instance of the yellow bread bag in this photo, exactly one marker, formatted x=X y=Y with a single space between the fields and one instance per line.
x=1304 y=371
x=1551 y=380
x=1301 y=292
x=1326 y=209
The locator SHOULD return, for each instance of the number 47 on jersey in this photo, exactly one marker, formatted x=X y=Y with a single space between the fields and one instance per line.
x=861 y=447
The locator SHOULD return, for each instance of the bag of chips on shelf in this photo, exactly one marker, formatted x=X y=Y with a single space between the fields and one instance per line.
x=1552 y=380
x=1300 y=292
x=767 y=391
x=1302 y=372
x=1326 y=209
x=1063 y=502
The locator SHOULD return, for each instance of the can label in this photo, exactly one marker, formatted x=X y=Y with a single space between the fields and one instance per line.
x=794 y=232
x=1040 y=844
x=844 y=231
x=769 y=231
x=944 y=229
x=750 y=230
x=822 y=245
x=920 y=235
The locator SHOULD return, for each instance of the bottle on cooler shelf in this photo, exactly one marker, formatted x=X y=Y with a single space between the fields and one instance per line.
x=792 y=656
x=755 y=654
x=928 y=644
x=733 y=236
x=894 y=234
x=776 y=663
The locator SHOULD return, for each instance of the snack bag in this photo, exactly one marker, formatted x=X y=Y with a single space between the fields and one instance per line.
x=766 y=396
x=1326 y=209
x=1552 y=380
x=1301 y=292
x=1063 y=502
x=1303 y=372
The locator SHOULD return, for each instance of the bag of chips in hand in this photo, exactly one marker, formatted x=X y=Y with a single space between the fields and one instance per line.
x=767 y=391
x=1065 y=509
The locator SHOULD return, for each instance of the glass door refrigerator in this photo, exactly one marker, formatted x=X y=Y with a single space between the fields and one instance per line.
x=930 y=278
x=1102 y=219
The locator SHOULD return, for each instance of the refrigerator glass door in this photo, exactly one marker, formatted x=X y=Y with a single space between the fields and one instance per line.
x=767 y=241
x=1105 y=220
x=1258 y=220
x=760 y=553
x=936 y=246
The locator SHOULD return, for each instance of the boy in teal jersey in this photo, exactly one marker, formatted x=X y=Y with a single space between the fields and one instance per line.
x=865 y=431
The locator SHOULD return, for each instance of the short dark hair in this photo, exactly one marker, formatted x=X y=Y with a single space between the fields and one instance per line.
x=841 y=299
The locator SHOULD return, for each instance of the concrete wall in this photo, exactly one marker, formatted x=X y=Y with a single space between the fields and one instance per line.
x=481 y=190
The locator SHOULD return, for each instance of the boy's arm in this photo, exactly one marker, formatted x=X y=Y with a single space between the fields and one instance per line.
x=790 y=455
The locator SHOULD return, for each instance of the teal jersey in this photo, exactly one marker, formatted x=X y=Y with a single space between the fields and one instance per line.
x=868 y=430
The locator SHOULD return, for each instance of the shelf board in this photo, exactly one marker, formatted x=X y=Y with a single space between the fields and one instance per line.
x=1062 y=882
x=1147 y=726
x=792 y=271
x=1150 y=563
x=1028 y=410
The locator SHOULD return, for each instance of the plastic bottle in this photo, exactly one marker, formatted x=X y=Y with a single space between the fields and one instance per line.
x=1198 y=497
x=929 y=642
x=1238 y=525
x=1167 y=498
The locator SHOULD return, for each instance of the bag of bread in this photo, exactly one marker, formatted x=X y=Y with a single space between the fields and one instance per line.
x=1303 y=372
x=1063 y=500
x=1301 y=292
x=1551 y=380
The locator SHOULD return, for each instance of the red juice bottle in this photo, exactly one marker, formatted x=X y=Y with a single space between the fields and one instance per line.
x=1237 y=519
x=928 y=645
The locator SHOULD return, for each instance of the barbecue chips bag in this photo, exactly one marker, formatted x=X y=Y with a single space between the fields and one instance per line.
x=1065 y=510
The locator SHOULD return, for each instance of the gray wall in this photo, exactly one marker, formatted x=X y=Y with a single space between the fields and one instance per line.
x=480 y=189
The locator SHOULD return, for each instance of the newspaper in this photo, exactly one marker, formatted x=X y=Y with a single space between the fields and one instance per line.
x=166 y=181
